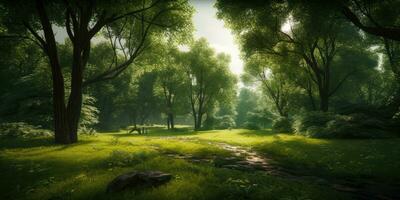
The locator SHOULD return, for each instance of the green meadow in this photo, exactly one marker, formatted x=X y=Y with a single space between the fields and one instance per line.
x=39 y=169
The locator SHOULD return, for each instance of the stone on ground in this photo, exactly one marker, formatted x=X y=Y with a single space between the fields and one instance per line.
x=138 y=179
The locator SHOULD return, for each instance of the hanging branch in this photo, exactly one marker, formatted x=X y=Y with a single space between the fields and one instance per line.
x=134 y=51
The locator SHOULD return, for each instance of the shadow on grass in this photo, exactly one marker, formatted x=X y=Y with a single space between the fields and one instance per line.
x=21 y=177
x=361 y=159
x=16 y=143
x=158 y=132
x=252 y=133
x=20 y=143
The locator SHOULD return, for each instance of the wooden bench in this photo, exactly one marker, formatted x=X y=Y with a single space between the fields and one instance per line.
x=140 y=130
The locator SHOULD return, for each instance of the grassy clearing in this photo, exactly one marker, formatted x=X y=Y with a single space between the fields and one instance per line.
x=38 y=169
x=375 y=158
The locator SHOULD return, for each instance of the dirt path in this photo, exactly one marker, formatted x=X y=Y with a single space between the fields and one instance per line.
x=367 y=189
x=245 y=159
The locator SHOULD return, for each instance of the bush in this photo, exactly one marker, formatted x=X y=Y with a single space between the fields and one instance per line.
x=87 y=130
x=251 y=126
x=282 y=124
x=223 y=122
x=89 y=115
x=329 y=125
x=316 y=118
x=258 y=120
x=22 y=130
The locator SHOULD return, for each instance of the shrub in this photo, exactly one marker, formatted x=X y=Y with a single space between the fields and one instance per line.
x=87 y=130
x=209 y=123
x=89 y=116
x=22 y=130
x=329 y=125
x=258 y=120
x=219 y=122
x=225 y=122
x=251 y=126
x=282 y=124
x=316 y=118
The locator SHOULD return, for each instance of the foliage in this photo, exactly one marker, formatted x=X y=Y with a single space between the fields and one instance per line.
x=226 y=122
x=259 y=118
x=219 y=122
x=22 y=130
x=89 y=114
x=329 y=125
x=25 y=90
x=132 y=22
x=282 y=125
x=300 y=48
x=247 y=102
x=251 y=125
x=208 y=80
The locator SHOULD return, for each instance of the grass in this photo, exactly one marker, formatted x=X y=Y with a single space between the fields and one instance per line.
x=372 y=158
x=38 y=169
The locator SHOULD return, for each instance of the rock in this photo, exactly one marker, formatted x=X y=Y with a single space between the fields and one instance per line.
x=135 y=179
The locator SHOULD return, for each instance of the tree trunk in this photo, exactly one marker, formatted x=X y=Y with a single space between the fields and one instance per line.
x=61 y=120
x=195 y=121
x=324 y=101
x=311 y=96
x=168 y=123
x=75 y=99
x=171 y=120
x=199 y=121
x=61 y=126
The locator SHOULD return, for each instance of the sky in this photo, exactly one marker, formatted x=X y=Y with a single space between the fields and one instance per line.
x=207 y=25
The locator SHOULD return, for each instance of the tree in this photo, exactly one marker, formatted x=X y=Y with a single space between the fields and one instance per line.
x=167 y=63
x=272 y=83
x=128 y=24
x=208 y=80
x=146 y=101
x=247 y=103
x=24 y=84
x=379 y=18
x=313 y=32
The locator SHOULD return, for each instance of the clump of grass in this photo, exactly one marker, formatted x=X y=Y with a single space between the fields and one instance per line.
x=121 y=158
x=22 y=130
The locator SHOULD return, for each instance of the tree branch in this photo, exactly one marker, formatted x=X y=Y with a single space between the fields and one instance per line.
x=39 y=40
x=386 y=32
x=341 y=82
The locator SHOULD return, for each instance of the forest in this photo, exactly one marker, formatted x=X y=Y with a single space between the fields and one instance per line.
x=199 y=99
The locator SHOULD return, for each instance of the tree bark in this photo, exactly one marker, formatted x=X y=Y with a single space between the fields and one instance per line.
x=199 y=121
x=60 y=113
x=324 y=100
x=195 y=122
x=171 y=121
x=311 y=96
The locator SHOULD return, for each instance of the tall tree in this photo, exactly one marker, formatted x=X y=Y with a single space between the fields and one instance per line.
x=171 y=81
x=128 y=24
x=208 y=79
x=274 y=84
x=314 y=32
x=247 y=103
